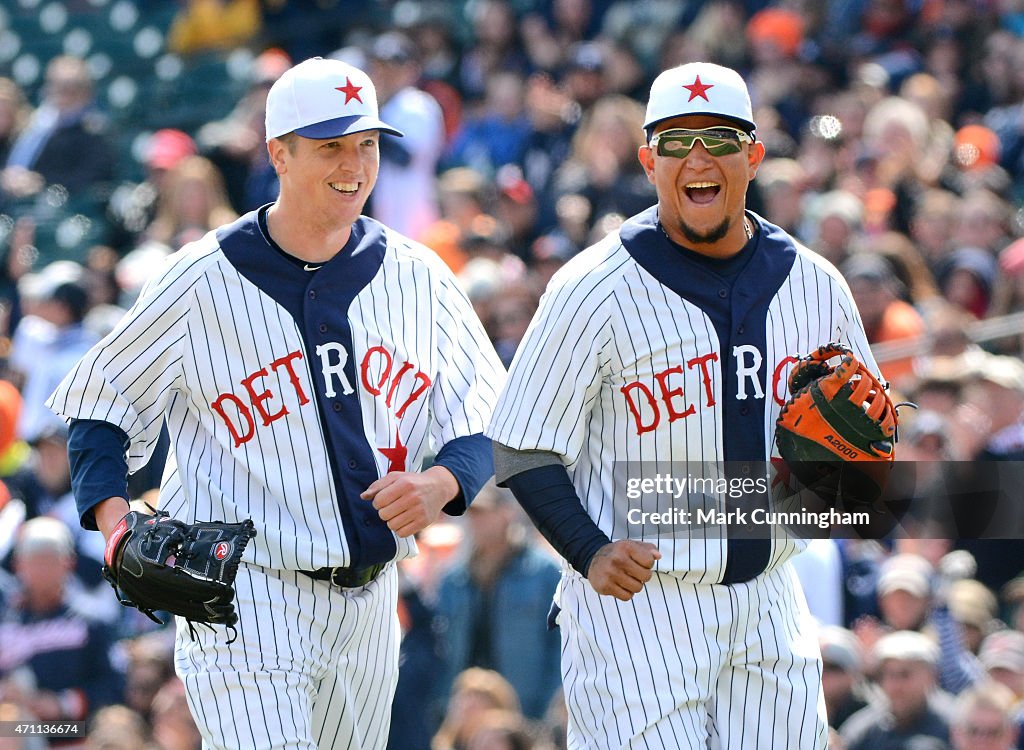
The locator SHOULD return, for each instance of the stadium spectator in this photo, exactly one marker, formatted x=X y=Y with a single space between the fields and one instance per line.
x=516 y=207
x=984 y=719
x=118 y=728
x=991 y=418
x=66 y=142
x=501 y=730
x=193 y=203
x=405 y=197
x=498 y=133
x=843 y=681
x=14 y=114
x=173 y=726
x=64 y=650
x=474 y=692
x=493 y=604
x=133 y=205
x=887 y=317
x=236 y=144
x=931 y=225
x=602 y=167
x=911 y=710
x=1002 y=656
x=49 y=340
x=203 y=25
x=836 y=219
x=495 y=49
x=904 y=591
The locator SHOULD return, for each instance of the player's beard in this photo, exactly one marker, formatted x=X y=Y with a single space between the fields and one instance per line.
x=705 y=238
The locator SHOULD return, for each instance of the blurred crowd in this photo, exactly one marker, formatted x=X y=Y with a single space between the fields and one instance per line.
x=895 y=139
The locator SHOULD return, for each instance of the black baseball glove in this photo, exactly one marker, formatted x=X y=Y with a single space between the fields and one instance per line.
x=157 y=563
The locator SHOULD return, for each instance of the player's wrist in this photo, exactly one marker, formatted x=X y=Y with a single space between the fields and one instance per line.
x=447 y=484
x=108 y=513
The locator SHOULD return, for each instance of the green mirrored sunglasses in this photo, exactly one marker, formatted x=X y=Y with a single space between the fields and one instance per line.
x=719 y=141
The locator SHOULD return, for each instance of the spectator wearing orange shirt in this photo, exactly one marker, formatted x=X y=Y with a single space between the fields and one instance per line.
x=877 y=292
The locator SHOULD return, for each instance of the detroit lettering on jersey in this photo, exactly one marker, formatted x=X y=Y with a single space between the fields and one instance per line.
x=288 y=393
x=644 y=353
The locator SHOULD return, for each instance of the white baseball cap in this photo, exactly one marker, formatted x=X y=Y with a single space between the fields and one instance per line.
x=321 y=98
x=44 y=534
x=699 y=88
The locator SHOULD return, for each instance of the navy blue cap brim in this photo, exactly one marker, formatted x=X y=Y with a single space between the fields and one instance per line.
x=340 y=126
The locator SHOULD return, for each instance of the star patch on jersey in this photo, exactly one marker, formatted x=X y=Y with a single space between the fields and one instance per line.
x=396 y=454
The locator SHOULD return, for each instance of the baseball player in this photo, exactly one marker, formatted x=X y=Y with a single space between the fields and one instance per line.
x=669 y=342
x=306 y=359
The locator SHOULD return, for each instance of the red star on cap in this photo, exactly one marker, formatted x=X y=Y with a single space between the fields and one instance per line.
x=396 y=455
x=698 y=89
x=352 y=92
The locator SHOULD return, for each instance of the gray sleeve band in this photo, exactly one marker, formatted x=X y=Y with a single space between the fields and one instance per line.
x=508 y=461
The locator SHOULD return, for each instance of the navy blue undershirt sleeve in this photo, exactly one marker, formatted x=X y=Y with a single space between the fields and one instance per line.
x=550 y=500
x=470 y=459
x=99 y=466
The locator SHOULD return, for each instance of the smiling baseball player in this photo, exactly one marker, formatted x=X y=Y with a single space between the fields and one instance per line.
x=668 y=344
x=306 y=359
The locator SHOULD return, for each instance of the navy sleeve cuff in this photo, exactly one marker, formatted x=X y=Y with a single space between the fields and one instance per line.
x=471 y=460
x=97 y=452
x=550 y=500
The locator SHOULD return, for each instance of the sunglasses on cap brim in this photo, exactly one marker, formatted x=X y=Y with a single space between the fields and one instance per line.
x=719 y=141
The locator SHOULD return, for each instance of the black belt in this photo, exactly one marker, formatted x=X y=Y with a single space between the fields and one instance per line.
x=346 y=578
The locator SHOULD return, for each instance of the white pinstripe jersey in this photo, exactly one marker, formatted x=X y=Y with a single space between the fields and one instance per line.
x=641 y=353
x=283 y=409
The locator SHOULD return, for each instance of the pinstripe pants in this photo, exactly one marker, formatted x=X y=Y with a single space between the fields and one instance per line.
x=314 y=666
x=688 y=666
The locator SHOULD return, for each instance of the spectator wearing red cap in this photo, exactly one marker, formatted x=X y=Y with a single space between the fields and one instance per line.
x=133 y=207
x=517 y=208
x=776 y=38
x=975 y=159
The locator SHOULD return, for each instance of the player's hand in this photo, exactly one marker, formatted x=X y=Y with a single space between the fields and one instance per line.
x=409 y=501
x=621 y=569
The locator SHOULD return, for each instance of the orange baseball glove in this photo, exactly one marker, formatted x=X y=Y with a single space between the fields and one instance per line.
x=837 y=432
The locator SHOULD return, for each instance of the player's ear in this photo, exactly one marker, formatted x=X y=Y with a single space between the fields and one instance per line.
x=755 y=155
x=646 y=156
x=276 y=149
